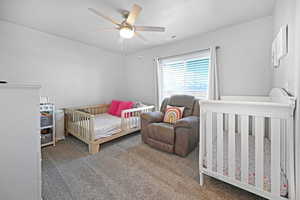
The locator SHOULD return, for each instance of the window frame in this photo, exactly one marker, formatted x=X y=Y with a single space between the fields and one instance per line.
x=204 y=54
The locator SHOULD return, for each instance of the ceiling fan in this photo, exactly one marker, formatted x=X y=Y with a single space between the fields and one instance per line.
x=126 y=28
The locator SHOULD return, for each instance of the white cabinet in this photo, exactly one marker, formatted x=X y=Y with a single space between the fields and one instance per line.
x=20 y=152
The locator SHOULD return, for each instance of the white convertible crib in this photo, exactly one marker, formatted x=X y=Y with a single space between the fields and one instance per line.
x=249 y=142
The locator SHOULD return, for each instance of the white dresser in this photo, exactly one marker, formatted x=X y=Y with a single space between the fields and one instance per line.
x=20 y=152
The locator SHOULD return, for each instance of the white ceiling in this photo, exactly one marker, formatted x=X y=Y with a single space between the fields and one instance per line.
x=183 y=18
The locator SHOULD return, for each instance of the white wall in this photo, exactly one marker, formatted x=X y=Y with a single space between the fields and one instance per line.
x=297 y=94
x=287 y=12
x=284 y=75
x=76 y=74
x=244 y=61
x=70 y=72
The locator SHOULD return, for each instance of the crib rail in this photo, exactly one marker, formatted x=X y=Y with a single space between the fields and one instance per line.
x=80 y=124
x=263 y=109
x=94 y=109
x=131 y=117
x=220 y=116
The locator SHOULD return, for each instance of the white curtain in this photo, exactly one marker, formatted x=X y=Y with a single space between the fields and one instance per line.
x=213 y=84
x=213 y=79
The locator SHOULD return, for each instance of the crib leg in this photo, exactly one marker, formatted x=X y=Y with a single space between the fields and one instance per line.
x=201 y=179
x=94 y=148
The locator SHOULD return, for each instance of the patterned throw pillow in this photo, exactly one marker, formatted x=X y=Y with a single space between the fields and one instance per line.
x=172 y=114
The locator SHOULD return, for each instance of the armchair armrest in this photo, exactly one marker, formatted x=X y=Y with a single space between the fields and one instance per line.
x=152 y=117
x=186 y=133
x=187 y=122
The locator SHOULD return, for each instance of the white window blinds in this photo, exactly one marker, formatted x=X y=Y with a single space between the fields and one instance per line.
x=185 y=74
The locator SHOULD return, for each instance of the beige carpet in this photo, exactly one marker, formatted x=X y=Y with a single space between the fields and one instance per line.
x=127 y=169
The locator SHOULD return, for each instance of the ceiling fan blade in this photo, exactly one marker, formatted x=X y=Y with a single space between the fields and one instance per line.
x=103 y=16
x=141 y=37
x=150 y=28
x=108 y=29
x=134 y=13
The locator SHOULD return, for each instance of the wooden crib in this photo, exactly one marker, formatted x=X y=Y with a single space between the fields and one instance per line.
x=249 y=142
x=80 y=122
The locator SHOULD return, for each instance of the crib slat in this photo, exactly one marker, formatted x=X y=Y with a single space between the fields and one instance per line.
x=134 y=120
x=77 y=124
x=220 y=143
x=84 y=127
x=244 y=148
x=139 y=119
x=201 y=144
x=283 y=139
x=275 y=160
x=231 y=145
x=259 y=151
x=209 y=148
x=290 y=159
x=84 y=118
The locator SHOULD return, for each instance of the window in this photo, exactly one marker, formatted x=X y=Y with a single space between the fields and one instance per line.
x=185 y=74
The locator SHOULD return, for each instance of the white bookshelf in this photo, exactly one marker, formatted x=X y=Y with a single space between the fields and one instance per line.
x=47 y=123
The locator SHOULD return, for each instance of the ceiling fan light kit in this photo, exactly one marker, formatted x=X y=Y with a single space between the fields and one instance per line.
x=126 y=32
x=127 y=29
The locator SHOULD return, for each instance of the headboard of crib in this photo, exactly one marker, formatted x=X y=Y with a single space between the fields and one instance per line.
x=277 y=95
x=280 y=95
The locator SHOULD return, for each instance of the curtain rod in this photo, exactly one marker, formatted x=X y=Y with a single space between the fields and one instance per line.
x=165 y=57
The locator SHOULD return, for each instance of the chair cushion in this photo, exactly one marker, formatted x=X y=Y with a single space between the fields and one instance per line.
x=162 y=132
x=173 y=114
x=164 y=105
x=185 y=101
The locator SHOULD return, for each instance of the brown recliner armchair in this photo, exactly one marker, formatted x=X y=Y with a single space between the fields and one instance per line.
x=181 y=137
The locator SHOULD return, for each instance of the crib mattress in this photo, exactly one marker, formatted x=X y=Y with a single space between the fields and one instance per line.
x=106 y=125
x=267 y=162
